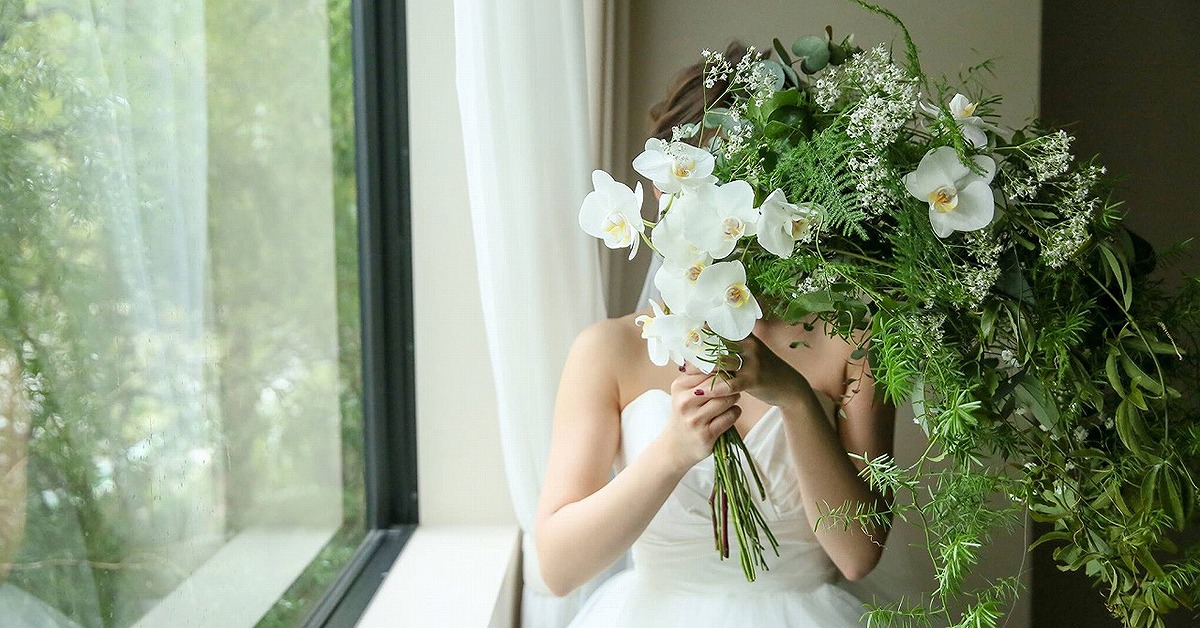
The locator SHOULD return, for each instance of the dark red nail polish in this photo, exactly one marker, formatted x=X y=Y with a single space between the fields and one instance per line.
x=682 y=369
x=699 y=392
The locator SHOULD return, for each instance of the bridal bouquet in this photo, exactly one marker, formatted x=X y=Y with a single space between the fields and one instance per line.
x=996 y=288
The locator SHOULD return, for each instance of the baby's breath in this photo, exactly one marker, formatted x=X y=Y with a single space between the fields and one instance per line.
x=875 y=181
x=882 y=96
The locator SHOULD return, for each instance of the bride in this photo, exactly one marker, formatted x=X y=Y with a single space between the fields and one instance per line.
x=801 y=401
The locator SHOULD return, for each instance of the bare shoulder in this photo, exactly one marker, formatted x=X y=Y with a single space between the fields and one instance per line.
x=609 y=342
x=613 y=351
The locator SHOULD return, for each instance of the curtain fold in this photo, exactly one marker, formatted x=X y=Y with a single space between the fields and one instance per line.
x=523 y=94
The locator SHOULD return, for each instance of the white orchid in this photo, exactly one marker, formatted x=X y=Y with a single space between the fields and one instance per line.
x=723 y=214
x=730 y=308
x=677 y=338
x=653 y=328
x=959 y=199
x=963 y=111
x=674 y=166
x=782 y=223
x=613 y=213
x=682 y=262
x=972 y=125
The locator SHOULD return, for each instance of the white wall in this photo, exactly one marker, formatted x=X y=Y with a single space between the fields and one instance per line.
x=460 y=470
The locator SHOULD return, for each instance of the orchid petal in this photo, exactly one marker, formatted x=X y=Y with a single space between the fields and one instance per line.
x=716 y=278
x=987 y=164
x=958 y=106
x=973 y=135
x=975 y=210
x=939 y=167
x=776 y=240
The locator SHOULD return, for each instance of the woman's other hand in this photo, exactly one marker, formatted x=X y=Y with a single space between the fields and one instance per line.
x=699 y=414
x=759 y=372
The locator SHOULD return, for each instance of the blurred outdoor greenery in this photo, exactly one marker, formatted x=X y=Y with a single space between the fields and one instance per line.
x=114 y=467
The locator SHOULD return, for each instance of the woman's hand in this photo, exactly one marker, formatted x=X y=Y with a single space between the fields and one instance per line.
x=698 y=416
x=762 y=374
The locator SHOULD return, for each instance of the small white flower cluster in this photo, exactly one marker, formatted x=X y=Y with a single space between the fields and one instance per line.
x=1050 y=155
x=875 y=177
x=878 y=118
x=1078 y=197
x=716 y=67
x=760 y=84
x=978 y=283
x=749 y=75
x=986 y=248
x=816 y=281
x=1047 y=157
x=682 y=132
x=1063 y=241
x=1021 y=187
x=887 y=96
x=734 y=140
x=827 y=90
x=926 y=330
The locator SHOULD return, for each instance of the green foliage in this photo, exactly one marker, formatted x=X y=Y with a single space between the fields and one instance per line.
x=1052 y=368
x=64 y=316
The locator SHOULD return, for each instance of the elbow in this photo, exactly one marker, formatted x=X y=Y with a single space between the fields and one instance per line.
x=558 y=586
x=558 y=590
x=858 y=568
x=856 y=572
x=556 y=583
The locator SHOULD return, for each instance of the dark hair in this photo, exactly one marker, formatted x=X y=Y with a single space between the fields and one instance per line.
x=685 y=99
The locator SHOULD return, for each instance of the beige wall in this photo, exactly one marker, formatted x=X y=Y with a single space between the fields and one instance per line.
x=461 y=473
x=666 y=35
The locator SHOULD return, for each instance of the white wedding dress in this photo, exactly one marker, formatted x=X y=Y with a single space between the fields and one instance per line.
x=677 y=578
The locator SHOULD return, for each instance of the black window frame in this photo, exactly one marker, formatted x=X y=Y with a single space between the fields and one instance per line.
x=386 y=300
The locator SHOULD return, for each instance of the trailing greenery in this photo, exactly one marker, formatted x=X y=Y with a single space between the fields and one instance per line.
x=1049 y=355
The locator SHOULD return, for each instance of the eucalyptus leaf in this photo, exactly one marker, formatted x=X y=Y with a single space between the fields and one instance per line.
x=776 y=70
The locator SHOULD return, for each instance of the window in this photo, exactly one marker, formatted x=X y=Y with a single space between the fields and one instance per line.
x=195 y=198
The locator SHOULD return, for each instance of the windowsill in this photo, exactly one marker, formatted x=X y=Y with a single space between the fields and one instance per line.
x=242 y=581
x=451 y=576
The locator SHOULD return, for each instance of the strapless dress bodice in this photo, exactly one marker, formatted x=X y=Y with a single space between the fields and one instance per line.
x=679 y=540
x=679 y=580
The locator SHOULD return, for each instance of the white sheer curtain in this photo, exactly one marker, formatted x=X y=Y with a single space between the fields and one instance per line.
x=523 y=94
x=112 y=373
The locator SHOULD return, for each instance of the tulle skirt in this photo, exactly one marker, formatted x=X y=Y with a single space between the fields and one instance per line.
x=629 y=600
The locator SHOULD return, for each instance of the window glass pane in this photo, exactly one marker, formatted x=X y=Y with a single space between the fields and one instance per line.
x=180 y=430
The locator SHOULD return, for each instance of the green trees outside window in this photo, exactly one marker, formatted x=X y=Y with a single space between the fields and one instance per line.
x=180 y=364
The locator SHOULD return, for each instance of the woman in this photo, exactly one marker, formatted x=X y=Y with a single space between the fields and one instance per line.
x=658 y=426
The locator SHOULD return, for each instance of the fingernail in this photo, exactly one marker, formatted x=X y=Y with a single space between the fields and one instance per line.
x=699 y=392
x=682 y=369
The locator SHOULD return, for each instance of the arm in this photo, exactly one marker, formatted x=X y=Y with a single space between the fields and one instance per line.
x=827 y=476
x=584 y=521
